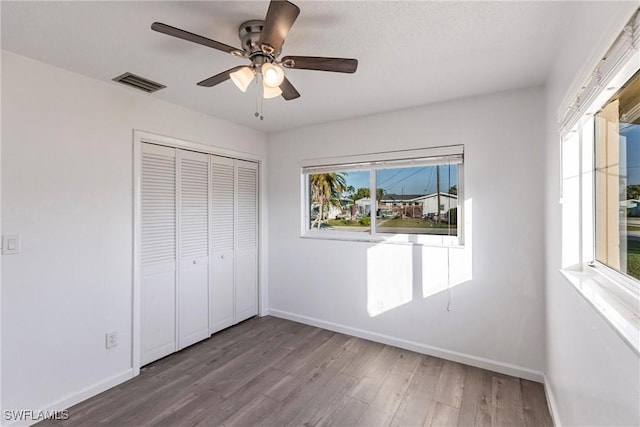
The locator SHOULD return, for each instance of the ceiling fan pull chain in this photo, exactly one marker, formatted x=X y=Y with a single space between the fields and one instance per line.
x=260 y=95
x=257 y=96
x=261 y=102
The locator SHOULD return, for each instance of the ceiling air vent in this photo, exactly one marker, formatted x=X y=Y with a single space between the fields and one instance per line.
x=138 y=82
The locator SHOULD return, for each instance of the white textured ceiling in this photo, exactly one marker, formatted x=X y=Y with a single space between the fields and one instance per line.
x=410 y=53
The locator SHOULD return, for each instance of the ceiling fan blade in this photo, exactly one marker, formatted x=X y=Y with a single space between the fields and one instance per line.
x=319 y=63
x=280 y=18
x=288 y=91
x=185 y=35
x=218 y=78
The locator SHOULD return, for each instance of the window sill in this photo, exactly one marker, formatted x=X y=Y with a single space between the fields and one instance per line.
x=619 y=309
x=398 y=239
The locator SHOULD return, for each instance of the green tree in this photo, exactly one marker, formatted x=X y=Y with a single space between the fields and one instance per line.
x=363 y=193
x=326 y=189
x=633 y=192
x=453 y=190
x=360 y=193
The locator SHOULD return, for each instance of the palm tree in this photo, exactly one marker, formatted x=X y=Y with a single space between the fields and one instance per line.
x=326 y=189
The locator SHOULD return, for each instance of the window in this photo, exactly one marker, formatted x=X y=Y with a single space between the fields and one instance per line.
x=410 y=196
x=617 y=180
x=417 y=200
x=335 y=204
x=599 y=128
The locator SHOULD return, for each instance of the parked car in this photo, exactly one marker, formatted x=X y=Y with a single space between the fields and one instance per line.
x=389 y=214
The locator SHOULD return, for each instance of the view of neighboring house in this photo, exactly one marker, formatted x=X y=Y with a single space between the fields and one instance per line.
x=418 y=205
x=334 y=211
x=632 y=206
x=363 y=206
x=392 y=206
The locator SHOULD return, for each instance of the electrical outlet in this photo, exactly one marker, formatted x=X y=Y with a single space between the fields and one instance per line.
x=111 y=339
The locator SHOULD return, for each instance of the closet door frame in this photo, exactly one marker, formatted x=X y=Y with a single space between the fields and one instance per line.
x=140 y=137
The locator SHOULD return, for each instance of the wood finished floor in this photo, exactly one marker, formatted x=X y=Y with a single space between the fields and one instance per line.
x=270 y=371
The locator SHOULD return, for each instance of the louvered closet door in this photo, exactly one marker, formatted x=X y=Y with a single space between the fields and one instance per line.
x=246 y=253
x=193 y=237
x=158 y=252
x=222 y=224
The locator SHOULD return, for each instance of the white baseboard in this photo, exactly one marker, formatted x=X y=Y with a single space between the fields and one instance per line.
x=479 y=362
x=551 y=403
x=74 y=398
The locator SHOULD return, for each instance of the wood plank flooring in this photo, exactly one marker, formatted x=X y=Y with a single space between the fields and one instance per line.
x=270 y=371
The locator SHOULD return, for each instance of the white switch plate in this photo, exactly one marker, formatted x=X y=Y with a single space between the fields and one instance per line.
x=10 y=244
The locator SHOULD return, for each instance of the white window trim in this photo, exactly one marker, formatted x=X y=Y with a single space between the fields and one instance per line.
x=586 y=91
x=615 y=296
x=604 y=296
x=372 y=162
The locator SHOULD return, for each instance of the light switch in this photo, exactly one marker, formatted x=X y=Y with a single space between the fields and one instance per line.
x=10 y=244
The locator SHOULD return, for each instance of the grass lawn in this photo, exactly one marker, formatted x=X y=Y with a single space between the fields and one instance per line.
x=344 y=222
x=414 y=223
x=633 y=258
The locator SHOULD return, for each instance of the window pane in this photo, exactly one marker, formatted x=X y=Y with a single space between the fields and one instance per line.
x=417 y=200
x=617 y=181
x=339 y=201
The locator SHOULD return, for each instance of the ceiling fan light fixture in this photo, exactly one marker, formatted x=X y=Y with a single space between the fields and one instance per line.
x=242 y=78
x=270 y=92
x=272 y=75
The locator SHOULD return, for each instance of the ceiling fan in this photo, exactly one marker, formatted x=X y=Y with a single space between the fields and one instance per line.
x=262 y=44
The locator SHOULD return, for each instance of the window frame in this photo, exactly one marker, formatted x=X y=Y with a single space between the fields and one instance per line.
x=612 y=294
x=586 y=200
x=625 y=281
x=375 y=161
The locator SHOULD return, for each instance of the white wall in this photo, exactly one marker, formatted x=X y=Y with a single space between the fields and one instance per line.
x=67 y=188
x=592 y=375
x=398 y=293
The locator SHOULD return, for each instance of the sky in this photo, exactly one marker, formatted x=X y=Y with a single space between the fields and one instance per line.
x=410 y=180
x=632 y=135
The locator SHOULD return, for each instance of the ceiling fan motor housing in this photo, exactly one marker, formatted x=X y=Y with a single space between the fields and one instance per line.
x=249 y=33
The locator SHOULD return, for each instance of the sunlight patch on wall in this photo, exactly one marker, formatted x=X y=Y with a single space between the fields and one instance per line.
x=570 y=200
x=389 y=277
x=434 y=266
x=444 y=268
x=399 y=273
x=461 y=259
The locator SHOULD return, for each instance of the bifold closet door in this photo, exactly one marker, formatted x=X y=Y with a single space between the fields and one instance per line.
x=193 y=248
x=246 y=253
x=223 y=232
x=158 y=252
x=199 y=247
